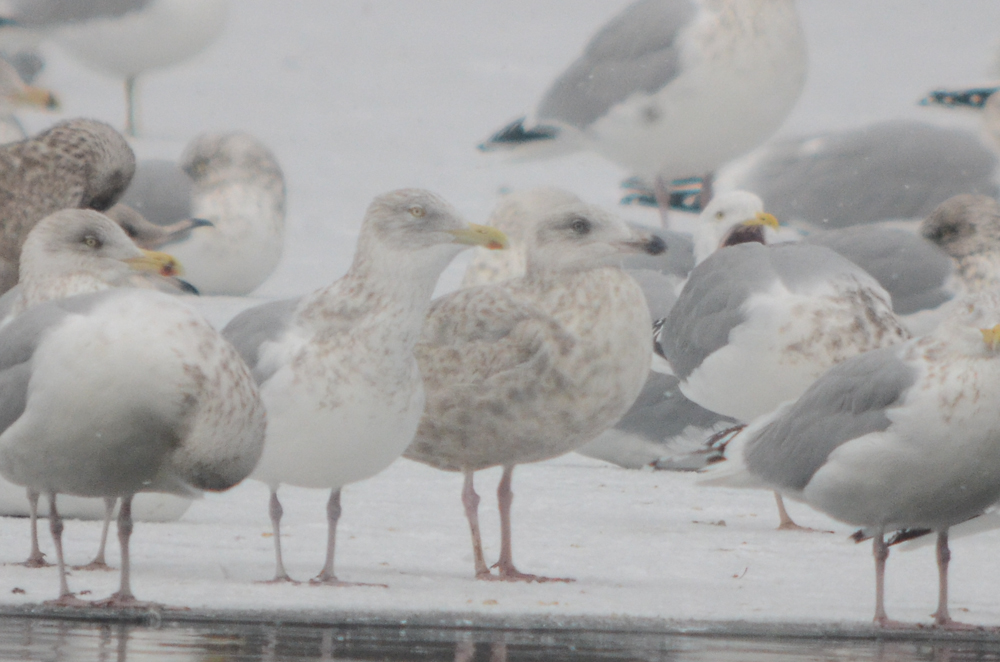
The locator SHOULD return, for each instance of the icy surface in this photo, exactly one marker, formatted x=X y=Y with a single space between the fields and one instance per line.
x=357 y=98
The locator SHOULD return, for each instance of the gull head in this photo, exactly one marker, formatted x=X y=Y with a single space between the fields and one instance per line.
x=579 y=236
x=85 y=241
x=964 y=225
x=728 y=213
x=415 y=219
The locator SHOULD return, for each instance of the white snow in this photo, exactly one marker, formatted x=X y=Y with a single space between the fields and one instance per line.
x=358 y=97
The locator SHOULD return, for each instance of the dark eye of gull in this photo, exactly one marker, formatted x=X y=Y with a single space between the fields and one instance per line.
x=580 y=225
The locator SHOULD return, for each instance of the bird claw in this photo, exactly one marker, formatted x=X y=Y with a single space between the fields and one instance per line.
x=93 y=565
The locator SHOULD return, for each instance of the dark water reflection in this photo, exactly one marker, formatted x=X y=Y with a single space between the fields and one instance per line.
x=34 y=639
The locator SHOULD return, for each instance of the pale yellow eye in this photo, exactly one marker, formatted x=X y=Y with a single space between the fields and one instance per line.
x=91 y=241
x=417 y=211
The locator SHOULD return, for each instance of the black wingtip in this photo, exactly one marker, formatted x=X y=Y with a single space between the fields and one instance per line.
x=656 y=245
x=516 y=133
x=972 y=98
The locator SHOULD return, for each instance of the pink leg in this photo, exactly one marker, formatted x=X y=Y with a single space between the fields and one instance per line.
x=36 y=559
x=471 y=502
x=276 y=511
x=123 y=597
x=505 y=565
x=786 y=521
x=99 y=563
x=881 y=552
x=941 y=617
x=326 y=576
x=66 y=599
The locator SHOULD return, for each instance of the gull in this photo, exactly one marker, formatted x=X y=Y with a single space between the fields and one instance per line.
x=336 y=367
x=80 y=251
x=124 y=38
x=672 y=88
x=238 y=187
x=534 y=367
x=755 y=325
x=897 y=438
x=76 y=164
x=15 y=95
x=119 y=392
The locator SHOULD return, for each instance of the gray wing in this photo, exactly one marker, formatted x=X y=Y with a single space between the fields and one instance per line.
x=661 y=411
x=53 y=13
x=637 y=51
x=255 y=326
x=18 y=341
x=710 y=305
x=890 y=170
x=847 y=402
x=160 y=190
x=910 y=268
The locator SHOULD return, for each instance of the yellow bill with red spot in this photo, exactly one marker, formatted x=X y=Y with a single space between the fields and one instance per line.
x=157 y=263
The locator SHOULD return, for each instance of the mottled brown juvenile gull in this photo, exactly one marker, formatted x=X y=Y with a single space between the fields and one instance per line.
x=534 y=367
x=900 y=437
x=119 y=392
x=336 y=367
x=77 y=164
x=673 y=88
x=238 y=186
x=755 y=325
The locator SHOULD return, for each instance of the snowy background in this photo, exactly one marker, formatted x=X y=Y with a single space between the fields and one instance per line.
x=357 y=98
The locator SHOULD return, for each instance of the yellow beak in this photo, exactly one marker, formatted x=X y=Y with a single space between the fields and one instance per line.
x=991 y=337
x=35 y=97
x=481 y=235
x=156 y=263
x=763 y=218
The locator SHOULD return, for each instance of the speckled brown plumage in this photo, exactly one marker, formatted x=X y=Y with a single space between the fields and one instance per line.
x=80 y=163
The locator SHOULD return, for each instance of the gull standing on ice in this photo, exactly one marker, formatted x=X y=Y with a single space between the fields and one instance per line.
x=236 y=185
x=755 y=325
x=673 y=88
x=336 y=367
x=77 y=164
x=537 y=366
x=899 y=438
x=80 y=251
x=119 y=392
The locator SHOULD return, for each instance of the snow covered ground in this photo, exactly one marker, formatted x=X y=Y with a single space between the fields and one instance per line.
x=359 y=97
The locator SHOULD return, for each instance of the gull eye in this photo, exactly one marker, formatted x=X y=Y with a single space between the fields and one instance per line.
x=580 y=225
x=720 y=214
x=91 y=241
x=417 y=211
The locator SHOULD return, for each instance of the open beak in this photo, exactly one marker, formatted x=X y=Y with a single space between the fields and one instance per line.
x=156 y=263
x=480 y=235
x=991 y=337
x=35 y=97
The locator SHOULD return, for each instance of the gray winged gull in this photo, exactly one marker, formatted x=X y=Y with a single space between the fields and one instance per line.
x=124 y=38
x=900 y=437
x=892 y=170
x=76 y=164
x=735 y=212
x=673 y=88
x=130 y=391
x=755 y=325
x=80 y=251
x=160 y=190
x=238 y=186
x=534 y=367
x=336 y=367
